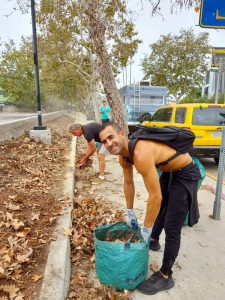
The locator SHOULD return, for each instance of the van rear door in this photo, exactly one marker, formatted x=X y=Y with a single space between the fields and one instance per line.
x=207 y=123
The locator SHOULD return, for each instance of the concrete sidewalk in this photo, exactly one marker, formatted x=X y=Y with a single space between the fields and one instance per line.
x=199 y=270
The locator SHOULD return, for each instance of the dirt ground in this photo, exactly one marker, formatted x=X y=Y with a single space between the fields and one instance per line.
x=30 y=200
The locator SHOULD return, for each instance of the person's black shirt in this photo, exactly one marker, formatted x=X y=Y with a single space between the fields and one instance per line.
x=91 y=131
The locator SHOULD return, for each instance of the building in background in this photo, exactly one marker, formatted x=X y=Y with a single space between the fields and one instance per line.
x=215 y=77
x=141 y=100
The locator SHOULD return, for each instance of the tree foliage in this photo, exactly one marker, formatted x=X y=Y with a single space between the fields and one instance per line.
x=174 y=5
x=17 y=72
x=70 y=56
x=82 y=41
x=204 y=99
x=57 y=80
x=178 y=62
x=100 y=31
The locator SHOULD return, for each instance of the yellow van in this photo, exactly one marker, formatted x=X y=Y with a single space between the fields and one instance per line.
x=204 y=119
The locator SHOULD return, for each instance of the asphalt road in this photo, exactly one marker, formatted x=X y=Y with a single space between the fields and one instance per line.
x=9 y=117
x=211 y=167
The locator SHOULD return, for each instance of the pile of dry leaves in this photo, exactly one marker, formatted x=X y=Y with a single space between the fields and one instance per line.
x=88 y=214
x=30 y=199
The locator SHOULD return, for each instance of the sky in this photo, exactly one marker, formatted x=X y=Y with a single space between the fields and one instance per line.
x=13 y=25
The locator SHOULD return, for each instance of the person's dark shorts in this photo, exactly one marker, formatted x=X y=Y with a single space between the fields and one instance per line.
x=105 y=121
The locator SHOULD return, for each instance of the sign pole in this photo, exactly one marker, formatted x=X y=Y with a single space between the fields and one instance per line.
x=217 y=202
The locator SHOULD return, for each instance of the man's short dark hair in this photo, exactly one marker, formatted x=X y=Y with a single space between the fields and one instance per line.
x=112 y=124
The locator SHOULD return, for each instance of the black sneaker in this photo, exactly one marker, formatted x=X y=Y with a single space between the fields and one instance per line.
x=154 y=245
x=155 y=283
x=154 y=277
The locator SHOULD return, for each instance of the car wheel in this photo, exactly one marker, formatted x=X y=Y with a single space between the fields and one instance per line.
x=146 y=116
x=216 y=160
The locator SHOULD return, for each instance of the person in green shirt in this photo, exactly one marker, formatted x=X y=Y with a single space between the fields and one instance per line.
x=104 y=110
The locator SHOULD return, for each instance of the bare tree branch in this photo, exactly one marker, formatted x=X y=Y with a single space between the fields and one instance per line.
x=81 y=72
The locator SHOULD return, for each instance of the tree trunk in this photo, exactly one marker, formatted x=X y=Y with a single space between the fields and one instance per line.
x=97 y=34
x=94 y=87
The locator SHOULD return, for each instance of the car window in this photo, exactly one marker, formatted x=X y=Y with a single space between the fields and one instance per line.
x=162 y=115
x=208 y=116
x=180 y=115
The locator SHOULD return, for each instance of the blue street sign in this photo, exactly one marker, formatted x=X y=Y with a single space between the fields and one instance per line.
x=212 y=14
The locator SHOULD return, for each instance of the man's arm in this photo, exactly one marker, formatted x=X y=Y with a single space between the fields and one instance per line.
x=145 y=164
x=129 y=189
x=91 y=148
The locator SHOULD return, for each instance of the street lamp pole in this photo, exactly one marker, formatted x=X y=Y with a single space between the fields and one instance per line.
x=38 y=100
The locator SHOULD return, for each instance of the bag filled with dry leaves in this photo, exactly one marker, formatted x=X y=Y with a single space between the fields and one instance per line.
x=121 y=256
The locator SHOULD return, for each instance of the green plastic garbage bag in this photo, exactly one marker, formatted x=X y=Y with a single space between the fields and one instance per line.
x=201 y=169
x=122 y=265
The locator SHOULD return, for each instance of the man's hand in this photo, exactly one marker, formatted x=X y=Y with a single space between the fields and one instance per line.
x=146 y=233
x=83 y=162
x=131 y=219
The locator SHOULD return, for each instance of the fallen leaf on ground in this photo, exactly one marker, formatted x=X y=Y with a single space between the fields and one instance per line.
x=52 y=219
x=58 y=210
x=42 y=241
x=154 y=267
x=68 y=231
x=36 y=277
x=23 y=233
x=35 y=216
x=13 y=207
x=92 y=259
x=11 y=289
x=25 y=257
x=178 y=266
x=17 y=224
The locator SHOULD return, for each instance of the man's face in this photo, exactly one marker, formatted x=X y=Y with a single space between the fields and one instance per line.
x=104 y=103
x=76 y=132
x=113 y=141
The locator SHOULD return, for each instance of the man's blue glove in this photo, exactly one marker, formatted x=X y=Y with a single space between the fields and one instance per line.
x=131 y=219
x=146 y=233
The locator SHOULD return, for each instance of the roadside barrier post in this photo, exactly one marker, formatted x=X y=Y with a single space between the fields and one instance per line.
x=219 y=185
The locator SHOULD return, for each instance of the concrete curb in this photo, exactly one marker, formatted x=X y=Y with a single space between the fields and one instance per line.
x=56 y=279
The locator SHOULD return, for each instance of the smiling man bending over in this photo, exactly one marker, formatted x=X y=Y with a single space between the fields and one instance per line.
x=168 y=202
